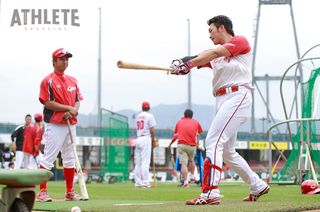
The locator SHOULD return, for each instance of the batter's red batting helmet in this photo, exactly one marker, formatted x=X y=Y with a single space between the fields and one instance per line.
x=61 y=52
x=310 y=187
x=145 y=105
x=38 y=117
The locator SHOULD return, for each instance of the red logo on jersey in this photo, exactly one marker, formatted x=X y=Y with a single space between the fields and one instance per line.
x=71 y=88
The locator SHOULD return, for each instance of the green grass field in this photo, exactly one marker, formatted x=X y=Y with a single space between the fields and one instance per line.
x=169 y=197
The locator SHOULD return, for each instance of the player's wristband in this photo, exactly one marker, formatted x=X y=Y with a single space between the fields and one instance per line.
x=190 y=64
x=208 y=65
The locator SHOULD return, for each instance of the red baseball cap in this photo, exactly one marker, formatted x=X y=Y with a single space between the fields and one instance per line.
x=38 y=117
x=145 y=105
x=61 y=52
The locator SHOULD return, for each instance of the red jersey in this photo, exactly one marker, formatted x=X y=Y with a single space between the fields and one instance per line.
x=29 y=138
x=38 y=139
x=187 y=130
x=62 y=89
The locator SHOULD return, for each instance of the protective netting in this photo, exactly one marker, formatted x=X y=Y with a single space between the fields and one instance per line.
x=115 y=150
x=310 y=108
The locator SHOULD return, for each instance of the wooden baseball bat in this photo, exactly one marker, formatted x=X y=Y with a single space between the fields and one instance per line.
x=154 y=182
x=172 y=164
x=82 y=183
x=172 y=159
x=128 y=65
x=275 y=165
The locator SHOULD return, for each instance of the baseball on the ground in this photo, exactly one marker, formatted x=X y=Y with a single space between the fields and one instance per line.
x=75 y=209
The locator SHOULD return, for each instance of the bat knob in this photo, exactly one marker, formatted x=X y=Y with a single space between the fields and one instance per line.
x=119 y=64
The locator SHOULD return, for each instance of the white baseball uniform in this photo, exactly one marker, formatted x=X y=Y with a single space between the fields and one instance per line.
x=58 y=140
x=144 y=122
x=233 y=108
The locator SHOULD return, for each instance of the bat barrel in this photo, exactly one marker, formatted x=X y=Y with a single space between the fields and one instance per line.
x=129 y=65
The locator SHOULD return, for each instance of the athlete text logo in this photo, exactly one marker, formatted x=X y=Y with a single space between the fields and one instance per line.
x=35 y=18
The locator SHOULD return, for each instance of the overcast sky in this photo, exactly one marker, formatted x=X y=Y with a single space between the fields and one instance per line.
x=141 y=31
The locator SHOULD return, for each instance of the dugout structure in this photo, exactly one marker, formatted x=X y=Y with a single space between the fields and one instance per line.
x=304 y=160
x=115 y=150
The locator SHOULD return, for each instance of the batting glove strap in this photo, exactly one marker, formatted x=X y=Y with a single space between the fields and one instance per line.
x=176 y=63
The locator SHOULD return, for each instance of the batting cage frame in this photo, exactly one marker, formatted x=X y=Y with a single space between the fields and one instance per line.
x=304 y=160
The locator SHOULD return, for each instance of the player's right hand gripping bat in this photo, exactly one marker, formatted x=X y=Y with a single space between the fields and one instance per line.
x=82 y=183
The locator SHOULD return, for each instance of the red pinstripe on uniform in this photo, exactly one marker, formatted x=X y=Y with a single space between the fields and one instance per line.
x=215 y=149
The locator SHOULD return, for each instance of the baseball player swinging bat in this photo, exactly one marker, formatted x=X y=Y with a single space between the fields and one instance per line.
x=82 y=183
x=128 y=65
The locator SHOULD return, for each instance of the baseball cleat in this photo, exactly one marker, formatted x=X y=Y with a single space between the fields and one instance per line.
x=185 y=185
x=43 y=197
x=204 y=201
x=72 y=196
x=254 y=197
x=144 y=186
x=192 y=180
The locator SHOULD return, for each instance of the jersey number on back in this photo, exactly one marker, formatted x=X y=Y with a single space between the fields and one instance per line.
x=140 y=125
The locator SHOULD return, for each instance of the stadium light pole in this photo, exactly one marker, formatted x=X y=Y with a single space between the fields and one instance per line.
x=255 y=78
x=99 y=118
x=189 y=75
x=0 y=14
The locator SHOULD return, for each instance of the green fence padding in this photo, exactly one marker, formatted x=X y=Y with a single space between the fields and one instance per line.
x=115 y=150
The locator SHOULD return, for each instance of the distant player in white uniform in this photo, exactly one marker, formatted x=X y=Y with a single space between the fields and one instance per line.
x=230 y=60
x=145 y=123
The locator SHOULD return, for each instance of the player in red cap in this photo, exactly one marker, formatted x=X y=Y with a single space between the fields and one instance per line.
x=38 y=118
x=31 y=145
x=145 y=124
x=60 y=95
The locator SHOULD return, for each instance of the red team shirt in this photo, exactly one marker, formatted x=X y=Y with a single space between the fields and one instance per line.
x=32 y=138
x=62 y=89
x=38 y=139
x=187 y=130
x=29 y=136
